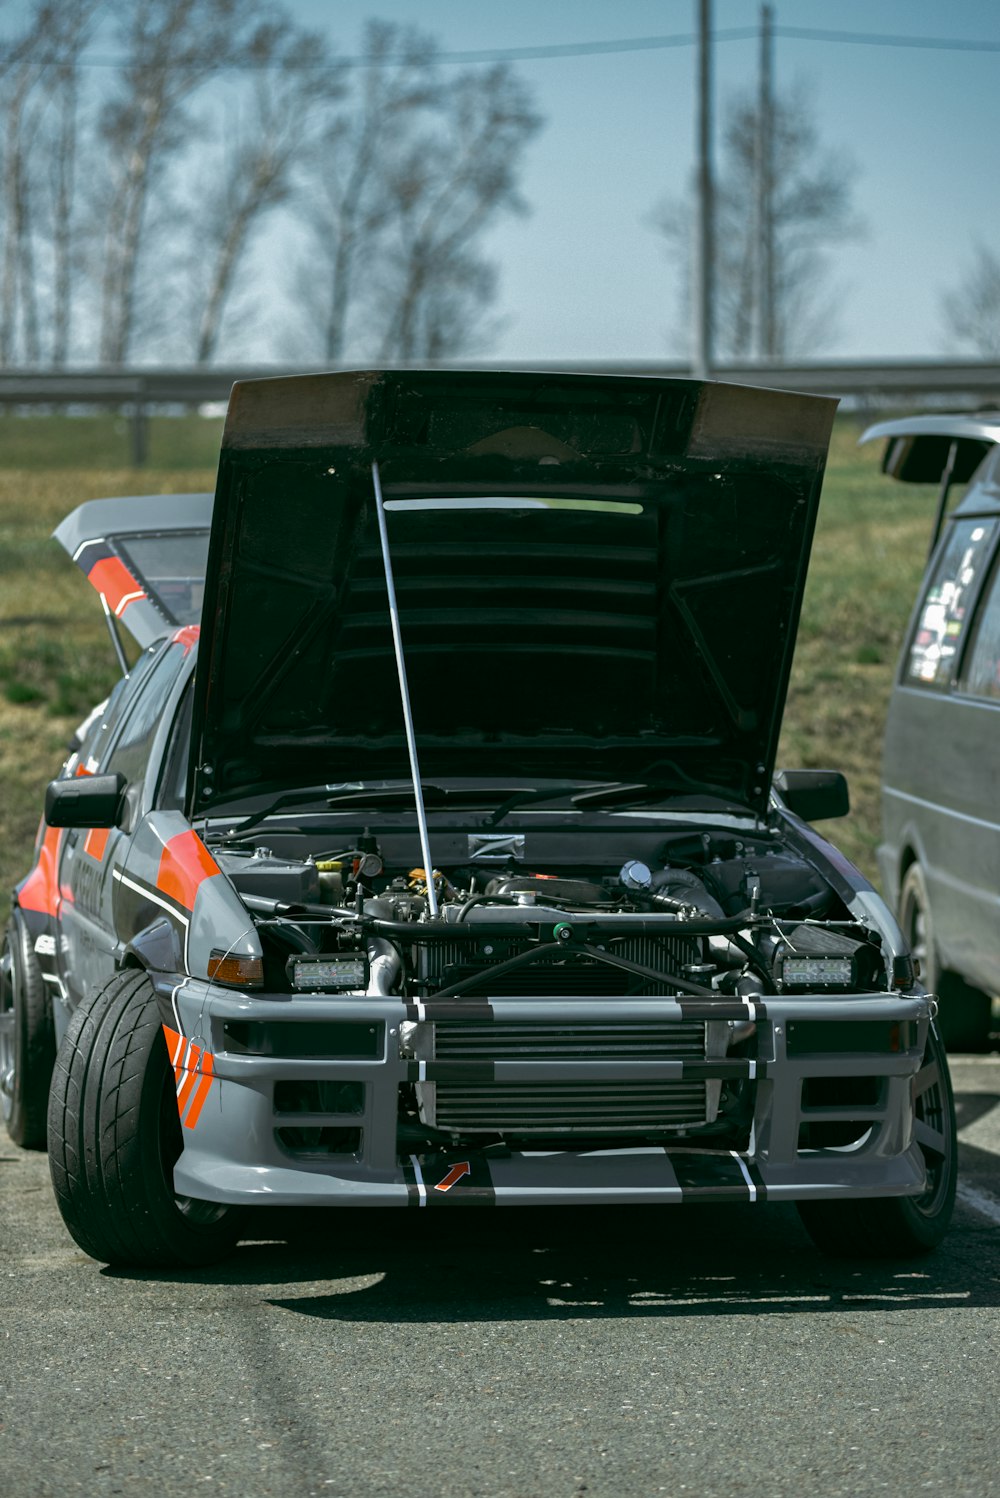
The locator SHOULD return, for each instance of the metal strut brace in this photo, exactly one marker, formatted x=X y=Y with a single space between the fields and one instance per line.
x=116 y=639
x=404 y=693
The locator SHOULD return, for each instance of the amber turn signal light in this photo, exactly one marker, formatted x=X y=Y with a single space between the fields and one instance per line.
x=240 y=970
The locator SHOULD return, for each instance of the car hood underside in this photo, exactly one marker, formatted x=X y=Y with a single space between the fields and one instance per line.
x=597 y=577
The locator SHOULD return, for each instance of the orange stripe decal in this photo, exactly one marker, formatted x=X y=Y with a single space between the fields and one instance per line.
x=204 y=1088
x=194 y=1073
x=190 y=1078
x=111 y=577
x=175 y=1050
x=96 y=842
x=40 y=891
x=184 y=863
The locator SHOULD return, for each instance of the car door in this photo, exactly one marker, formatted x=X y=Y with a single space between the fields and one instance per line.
x=91 y=857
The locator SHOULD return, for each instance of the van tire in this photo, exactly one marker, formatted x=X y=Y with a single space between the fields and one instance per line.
x=901 y=1227
x=965 y=1013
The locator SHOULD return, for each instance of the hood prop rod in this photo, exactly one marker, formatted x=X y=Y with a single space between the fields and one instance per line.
x=404 y=694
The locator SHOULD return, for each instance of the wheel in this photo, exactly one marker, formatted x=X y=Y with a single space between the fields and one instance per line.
x=27 y=1038
x=966 y=1012
x=902 y=1226
x=115 y=1134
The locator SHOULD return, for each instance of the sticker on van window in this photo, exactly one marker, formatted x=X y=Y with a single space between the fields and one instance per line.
x=941 y=623
x=982 y=670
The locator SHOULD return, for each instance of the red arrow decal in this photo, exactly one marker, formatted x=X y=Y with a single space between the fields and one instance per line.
x=455 y=1174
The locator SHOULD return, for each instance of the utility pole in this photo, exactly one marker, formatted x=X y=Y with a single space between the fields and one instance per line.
x=702 y=257
x=763 y=330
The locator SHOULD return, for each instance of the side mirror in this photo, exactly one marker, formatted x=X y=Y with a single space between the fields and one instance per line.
x=85 y=801
x=813 y=795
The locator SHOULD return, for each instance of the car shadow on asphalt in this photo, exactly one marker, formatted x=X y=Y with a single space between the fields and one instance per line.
x=583 y=1264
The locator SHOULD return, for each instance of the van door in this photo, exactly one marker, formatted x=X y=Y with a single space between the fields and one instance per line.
x=942 y=755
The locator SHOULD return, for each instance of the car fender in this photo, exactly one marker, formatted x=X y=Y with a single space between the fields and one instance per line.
x=171 y=881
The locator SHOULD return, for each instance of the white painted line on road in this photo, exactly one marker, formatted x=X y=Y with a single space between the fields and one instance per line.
x=980 y=1201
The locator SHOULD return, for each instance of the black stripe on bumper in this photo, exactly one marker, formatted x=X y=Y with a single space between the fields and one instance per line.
x=449 y=1179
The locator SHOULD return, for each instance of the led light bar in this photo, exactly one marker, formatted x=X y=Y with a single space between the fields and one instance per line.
x=796 y=971
x=329 y=974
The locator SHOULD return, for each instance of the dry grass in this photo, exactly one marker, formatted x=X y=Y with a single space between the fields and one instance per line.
x=56 y=659
x=868 y=558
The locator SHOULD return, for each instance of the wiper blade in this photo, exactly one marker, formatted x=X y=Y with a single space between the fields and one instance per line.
x=348 y=793
x=621 y=793
x=642 y=795
x=387 y=795
x=538 y=795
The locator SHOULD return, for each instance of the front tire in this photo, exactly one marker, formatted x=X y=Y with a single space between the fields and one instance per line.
x=27 y=1038
x=115 y=1135
x=966 y=1013
x=905 y=1226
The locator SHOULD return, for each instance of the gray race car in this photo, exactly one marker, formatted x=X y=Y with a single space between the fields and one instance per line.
x=431 y=854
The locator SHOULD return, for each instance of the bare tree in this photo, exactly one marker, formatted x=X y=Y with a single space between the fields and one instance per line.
x=19 y=75
x=348 y=206
x=398 y=167
x=39 y=111
x=809 y=207
x=293 y=80
x=448 y=188
x=76 y=17
x=972 y=309
x=172 y=46
x=415 y=168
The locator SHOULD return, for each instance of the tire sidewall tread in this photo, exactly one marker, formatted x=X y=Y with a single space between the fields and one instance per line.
x=106 y=1115
x=33 y=1039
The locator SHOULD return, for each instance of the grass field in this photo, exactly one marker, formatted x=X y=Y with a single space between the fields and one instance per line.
x=56 y=659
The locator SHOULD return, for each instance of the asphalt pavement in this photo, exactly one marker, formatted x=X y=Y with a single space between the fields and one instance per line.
x=707 y=1351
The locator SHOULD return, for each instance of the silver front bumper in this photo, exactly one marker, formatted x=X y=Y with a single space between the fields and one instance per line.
x=237 y=1150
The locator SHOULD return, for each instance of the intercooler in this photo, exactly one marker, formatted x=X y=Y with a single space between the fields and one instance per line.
x=555 y=1107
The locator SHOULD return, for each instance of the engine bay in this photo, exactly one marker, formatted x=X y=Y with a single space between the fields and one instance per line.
x=704 y=913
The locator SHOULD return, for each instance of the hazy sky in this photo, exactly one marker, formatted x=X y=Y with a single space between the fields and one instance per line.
x=584 y=276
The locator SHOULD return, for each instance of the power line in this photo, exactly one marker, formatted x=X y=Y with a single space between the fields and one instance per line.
x=874 y=39
x=559 y=50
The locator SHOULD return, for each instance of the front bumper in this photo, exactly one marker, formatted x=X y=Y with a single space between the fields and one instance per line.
x=233 y=1055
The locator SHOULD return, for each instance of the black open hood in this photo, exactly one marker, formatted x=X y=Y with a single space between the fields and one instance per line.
x=598 y=578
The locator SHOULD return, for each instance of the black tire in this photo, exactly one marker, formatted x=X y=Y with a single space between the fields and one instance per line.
x=114 y=1136
x=27 y=1038
x=965 y=1014
x=904 y=1226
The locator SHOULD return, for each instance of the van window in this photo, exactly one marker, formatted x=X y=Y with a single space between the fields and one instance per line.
x=944 y=616
x=982 y=674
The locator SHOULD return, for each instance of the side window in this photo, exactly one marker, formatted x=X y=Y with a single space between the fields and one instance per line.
x=100 y=735
x=945 y=614
x=174 y=783
x=982 y=671
x=130 y=753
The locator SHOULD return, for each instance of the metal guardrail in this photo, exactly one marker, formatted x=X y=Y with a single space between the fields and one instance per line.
x=137 y=390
